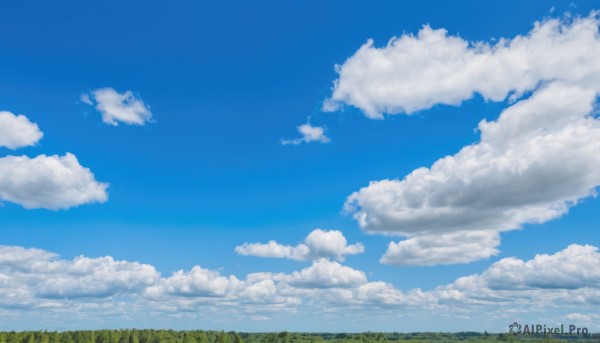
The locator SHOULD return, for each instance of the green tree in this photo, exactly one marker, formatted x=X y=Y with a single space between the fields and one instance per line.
x=201 y=337
x=221 y=337
x=237 y=338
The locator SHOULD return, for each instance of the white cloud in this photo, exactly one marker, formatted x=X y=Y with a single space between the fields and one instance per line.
x=93 y=277
x=39 y=280
x=35 y=277
x=118 y=107
x=528 y=168
x=197 y=282
x=309 y=134
x=327 y=274
x=16 y=131
x=412 y=73
x=577 y=266
x=446 y=248
x=319 y=243
x=51 y=182
x=569 y=278
x=581 y=317
x=539 y=158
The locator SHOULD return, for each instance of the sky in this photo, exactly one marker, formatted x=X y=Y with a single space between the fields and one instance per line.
x=302 y=166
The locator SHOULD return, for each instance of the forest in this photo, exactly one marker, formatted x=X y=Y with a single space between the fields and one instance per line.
x=199 y=336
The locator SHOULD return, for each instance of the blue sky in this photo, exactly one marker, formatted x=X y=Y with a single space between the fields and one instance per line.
x=226 y=83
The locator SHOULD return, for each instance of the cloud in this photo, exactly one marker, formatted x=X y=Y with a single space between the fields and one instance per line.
x=447 y=248
x=309 y=134
x=16 y=131
x=118 y=107
x=414 y=73
x=35 y=277
x=319 y=243
x=46 y=285
x=197 y=282
x=568 y=278
x=538 y=159
x=577 y=266
x=51 y=182
x=327 y=274
x=581 y=317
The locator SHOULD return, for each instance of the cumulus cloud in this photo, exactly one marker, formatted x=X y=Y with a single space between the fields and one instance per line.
x=118 y=107
x=413 y=73
x=40 y=280
x=538 y=159
x=197 y=282
x=309 y=134
x=327 y=274
x=51 y=182
x=32 y=276
x=319 y=243
x=446 y=248
x=577 y=266
x=16 y=131
x=568 y=278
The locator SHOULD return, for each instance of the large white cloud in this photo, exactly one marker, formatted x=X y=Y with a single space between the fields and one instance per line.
x=540 y=157
x=319 y=243
x=51 y=182
x=577 y=266
x=16 y=131
x=569 y=278
x=118 y=107
x=412 y=73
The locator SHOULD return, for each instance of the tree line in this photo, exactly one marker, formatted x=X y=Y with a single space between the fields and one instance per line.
x=200 y=336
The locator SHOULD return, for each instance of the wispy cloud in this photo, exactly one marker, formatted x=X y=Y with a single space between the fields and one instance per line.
x=118 y=107
x=309 y=134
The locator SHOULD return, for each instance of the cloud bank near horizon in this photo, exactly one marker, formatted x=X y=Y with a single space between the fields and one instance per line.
x=44 y=283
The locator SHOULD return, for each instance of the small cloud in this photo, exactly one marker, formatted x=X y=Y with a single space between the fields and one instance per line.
x=318 y=244
x=16 y=131
x=309 y=134
x=579 y=317
x=118 y=107
x=330 y=105
x=85 y=98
